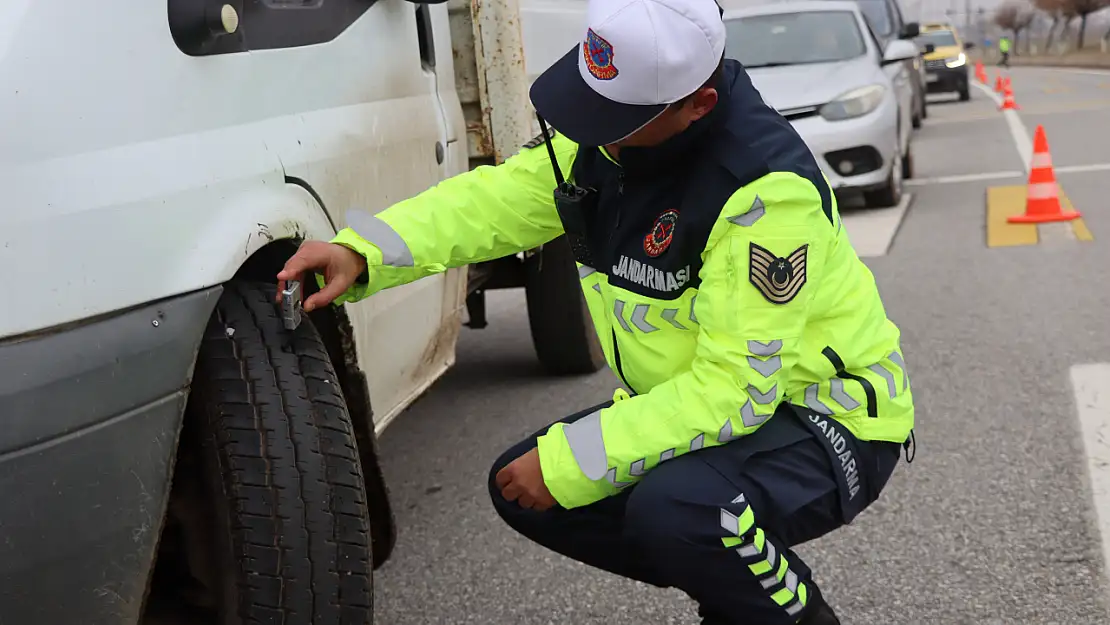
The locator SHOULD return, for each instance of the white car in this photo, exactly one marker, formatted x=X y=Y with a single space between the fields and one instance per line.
x=819 y=64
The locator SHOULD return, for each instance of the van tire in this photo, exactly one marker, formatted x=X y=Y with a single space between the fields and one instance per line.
x=290 y=527
x=562 y=330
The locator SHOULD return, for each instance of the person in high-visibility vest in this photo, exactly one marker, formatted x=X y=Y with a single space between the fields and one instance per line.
x=766 y=398
x=1004 y=49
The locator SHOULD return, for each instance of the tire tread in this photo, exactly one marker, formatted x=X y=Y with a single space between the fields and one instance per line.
x=285 y=448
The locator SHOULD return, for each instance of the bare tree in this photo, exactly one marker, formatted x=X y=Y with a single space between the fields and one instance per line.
x=1056 y=10
x=1015 y=16
x=1082 y=9
x=1005 y=16
x=1024 y=19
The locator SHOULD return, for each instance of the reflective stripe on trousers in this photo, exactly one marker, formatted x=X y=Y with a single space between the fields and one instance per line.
x=762 y=558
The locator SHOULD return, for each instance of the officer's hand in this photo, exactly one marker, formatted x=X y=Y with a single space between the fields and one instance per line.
x=522 y=481
x=340 y=265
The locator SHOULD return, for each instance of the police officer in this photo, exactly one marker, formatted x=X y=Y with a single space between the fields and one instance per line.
x=767 y=396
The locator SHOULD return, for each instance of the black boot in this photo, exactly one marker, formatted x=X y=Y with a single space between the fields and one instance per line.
x=817 y=612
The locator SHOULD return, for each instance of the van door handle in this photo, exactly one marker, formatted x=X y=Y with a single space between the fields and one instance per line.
x=225 y=20
x=197 y=23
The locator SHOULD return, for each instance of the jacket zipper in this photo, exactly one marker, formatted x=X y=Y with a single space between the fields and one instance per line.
x=616 y=224
x=617 y=220
x=617 y=362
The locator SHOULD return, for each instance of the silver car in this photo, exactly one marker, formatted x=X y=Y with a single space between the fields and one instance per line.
x=851 y=99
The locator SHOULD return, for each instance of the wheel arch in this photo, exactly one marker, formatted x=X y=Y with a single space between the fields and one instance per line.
x=250 y=236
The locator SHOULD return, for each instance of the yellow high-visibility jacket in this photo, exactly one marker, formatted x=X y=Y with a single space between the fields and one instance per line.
x=727 y=285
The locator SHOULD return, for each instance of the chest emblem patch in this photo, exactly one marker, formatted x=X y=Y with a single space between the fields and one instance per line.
x=662 y=233
x=777 y=278
x=598 y=55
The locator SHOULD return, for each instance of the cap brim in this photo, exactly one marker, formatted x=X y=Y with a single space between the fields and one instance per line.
x=565 y=101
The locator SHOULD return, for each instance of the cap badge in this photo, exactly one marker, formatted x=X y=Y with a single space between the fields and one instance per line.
x=599 y=56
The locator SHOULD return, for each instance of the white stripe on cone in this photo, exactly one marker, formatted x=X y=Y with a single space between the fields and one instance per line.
x=1040 y=161
x=1042 y=191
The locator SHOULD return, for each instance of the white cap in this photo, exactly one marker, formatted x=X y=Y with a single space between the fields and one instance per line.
x=650 y=51
x=636 y=58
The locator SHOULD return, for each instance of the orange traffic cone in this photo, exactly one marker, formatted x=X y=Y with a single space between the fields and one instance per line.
x=980 y=72
x=1042 y=197
x=1008 y=99
x=1006 y=83
x=998 y=83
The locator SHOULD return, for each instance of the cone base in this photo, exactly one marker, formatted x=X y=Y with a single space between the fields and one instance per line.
x=1040 y=219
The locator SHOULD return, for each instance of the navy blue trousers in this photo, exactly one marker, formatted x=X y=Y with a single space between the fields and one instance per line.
x=686 y=523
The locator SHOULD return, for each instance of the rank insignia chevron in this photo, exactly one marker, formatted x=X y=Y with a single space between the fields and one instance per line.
x=777 y=278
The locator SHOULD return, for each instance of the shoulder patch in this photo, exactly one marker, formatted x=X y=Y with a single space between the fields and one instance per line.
x=779 y=279
x=748 y=218
x=538 y=140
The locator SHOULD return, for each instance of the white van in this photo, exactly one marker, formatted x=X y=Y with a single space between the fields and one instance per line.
x=165 y=443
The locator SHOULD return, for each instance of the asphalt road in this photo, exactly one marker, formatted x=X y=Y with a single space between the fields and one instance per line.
x=991 y=524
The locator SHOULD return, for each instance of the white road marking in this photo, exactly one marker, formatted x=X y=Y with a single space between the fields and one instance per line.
x=1093 y=72
x=1091 y=385
x=1022 y=141
x=1001 y=175
x=968 y=119
x=871 y=230
x=990 y=175
x=1079 y=169
x=1055 y=232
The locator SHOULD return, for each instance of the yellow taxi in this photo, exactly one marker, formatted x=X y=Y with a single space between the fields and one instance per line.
x=946 y=62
